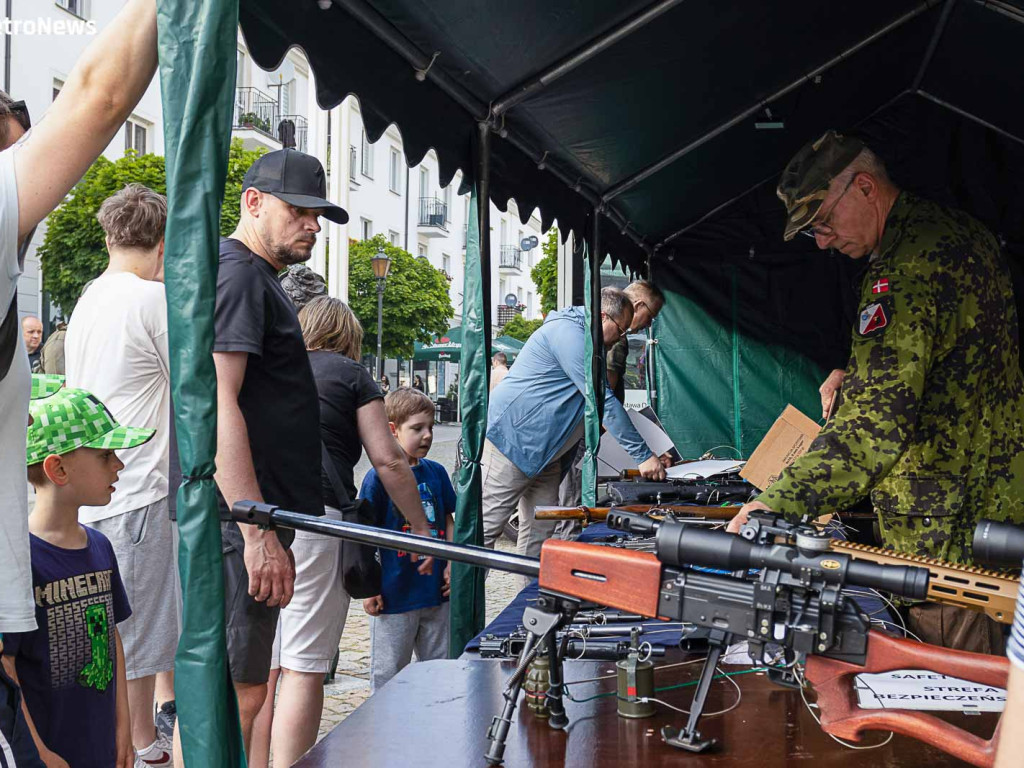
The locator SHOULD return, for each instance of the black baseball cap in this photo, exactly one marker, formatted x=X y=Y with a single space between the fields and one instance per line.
x=296 y=178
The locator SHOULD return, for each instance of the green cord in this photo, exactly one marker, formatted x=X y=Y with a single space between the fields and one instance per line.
x=659 y=690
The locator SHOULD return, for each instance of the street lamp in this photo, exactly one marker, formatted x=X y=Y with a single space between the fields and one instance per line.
x=381 y=264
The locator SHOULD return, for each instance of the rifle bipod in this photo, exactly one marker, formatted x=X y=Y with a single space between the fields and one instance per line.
x=689 y=737
x=542 y=623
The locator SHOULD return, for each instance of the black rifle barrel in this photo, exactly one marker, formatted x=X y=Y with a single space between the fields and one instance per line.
x=269 y=516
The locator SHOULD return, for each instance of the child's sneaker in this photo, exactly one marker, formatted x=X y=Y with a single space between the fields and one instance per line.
x=158 y=753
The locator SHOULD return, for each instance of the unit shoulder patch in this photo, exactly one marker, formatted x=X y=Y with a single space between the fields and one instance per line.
x=874 y=319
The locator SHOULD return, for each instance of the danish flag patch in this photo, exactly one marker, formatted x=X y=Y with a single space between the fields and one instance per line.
x=881 y=286
x=873 y=319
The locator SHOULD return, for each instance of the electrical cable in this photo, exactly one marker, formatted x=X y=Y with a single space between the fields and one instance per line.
x=803 y=684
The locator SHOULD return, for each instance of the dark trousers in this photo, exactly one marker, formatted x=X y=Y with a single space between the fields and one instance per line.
x=17 y=750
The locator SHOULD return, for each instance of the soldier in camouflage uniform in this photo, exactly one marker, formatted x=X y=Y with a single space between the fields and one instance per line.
x=929 y=424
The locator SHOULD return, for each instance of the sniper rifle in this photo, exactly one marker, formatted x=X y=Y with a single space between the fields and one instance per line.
x=795 y=601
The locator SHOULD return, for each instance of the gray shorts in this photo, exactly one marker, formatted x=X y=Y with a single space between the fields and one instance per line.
x=143 y=543
x=394 y=637
x=250 y=624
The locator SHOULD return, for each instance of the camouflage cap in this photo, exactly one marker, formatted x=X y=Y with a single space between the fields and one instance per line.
x=45 y=384
x=73 y=419
x=804 y=183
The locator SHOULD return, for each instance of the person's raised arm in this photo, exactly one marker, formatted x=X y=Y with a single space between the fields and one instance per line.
x=100 y=93
x=270 y=567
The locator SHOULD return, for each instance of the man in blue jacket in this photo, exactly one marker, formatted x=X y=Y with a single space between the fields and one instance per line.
x=536 y=415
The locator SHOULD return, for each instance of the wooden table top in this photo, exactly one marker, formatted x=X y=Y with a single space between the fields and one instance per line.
x=436 y=713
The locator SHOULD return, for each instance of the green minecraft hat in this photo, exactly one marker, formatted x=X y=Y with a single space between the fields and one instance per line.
x=804 y=184
x=73 y=419
x=45 y=384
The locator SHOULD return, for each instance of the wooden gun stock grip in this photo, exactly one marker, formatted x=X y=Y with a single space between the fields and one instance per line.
x=840 y=715
x=617 y=578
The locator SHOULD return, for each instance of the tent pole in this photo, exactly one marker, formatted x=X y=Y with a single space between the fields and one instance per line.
x=594 y=349
x=596 y=332
x=933 y=44
x=578 y=57
x=632 y=181
x=484 y=218
x=969 y=116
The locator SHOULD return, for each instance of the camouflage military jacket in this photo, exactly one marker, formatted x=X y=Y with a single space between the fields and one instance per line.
x=929 y=425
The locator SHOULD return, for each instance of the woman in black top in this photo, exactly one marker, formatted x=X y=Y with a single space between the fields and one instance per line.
x=385 y=383
x=352 y=418
x=417 y=383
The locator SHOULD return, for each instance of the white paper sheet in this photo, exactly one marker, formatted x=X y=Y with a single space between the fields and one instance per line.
x=612 y=457
x=702 y=469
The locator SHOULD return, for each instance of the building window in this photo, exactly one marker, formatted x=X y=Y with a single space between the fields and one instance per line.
x=367 y=228
x=77 y=7
x=422 y=250
x=448 y=202
x=367 y=166
x=392 y=237
x=135 y=132
x=395 y=172
x=504 y=233
x=446 y=263
x=529 y=304
x=425 y=182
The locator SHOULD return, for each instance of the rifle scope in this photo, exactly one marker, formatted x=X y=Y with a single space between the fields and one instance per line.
x=1000 y=545
x=679 y=544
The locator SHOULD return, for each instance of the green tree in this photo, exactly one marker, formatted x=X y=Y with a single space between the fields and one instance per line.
x=545 y=273
x=521 y=329
x=416 y=302
x=73 y=252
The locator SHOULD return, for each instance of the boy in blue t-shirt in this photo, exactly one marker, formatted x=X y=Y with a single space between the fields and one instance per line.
x=411 y=612
x=71 y=668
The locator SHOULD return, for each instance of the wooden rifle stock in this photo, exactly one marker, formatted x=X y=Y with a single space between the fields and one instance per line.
x=590 y=514
x=629 y=581
x=991 y=592
x=841 y=716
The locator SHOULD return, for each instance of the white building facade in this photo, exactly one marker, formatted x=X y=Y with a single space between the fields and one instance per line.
x=276 y=109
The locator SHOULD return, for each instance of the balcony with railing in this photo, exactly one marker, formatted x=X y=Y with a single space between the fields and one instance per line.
x=255 y=110
x=433 y=221
x=511 y=259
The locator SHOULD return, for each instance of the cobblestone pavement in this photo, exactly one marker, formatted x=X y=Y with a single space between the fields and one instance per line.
x=351 y=685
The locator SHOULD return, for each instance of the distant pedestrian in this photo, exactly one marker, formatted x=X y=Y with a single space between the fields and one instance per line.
x=499 y=369
x=385 y=384
x=32 y=334
x=417 y=383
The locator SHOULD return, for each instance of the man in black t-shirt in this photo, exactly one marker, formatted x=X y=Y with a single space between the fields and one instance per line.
x=268 y=435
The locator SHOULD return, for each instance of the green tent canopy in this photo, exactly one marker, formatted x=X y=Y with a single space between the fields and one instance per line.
x=448 y=348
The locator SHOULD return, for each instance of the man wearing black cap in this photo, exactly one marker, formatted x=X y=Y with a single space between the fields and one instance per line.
x=929 y=426
x=268 y=421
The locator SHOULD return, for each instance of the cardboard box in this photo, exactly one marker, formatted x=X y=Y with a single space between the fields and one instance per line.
x=790 y=436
